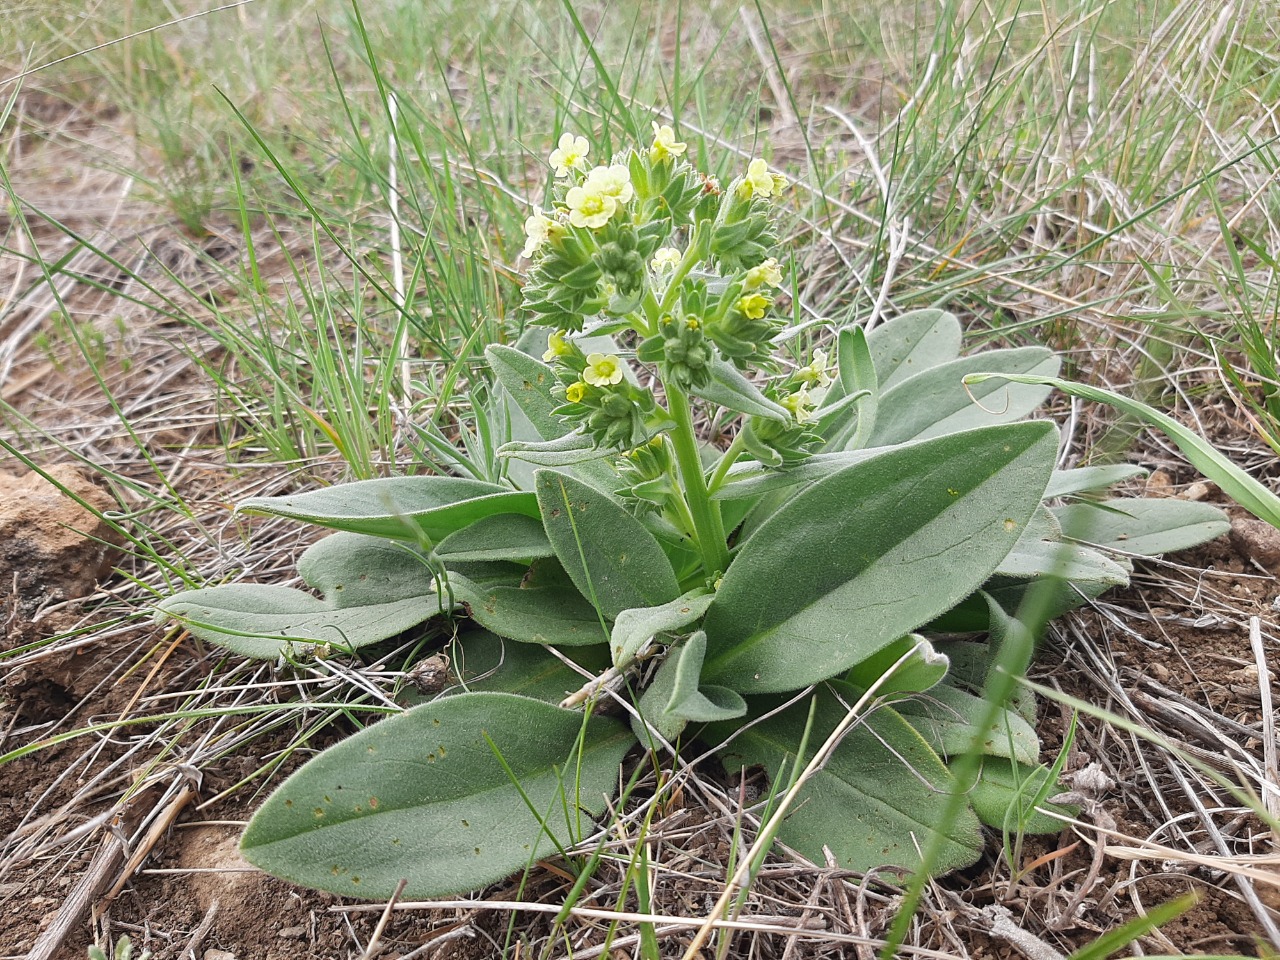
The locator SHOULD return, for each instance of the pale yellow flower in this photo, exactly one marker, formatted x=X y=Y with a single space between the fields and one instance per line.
x=800 y=404
x=766 y=274
x=665 y=259
x=570 y=154
x=665 y=143
x=575 y=392
x=613 y=181
x=753 y=306
x=818 y=372
x=602 y=371
x=589 y=207
x=759 y=182
x=537 y=229
x=556 y=347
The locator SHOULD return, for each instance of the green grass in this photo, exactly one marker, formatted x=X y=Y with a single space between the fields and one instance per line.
x=1097 y=174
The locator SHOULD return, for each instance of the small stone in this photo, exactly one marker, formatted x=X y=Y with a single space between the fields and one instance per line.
x=292 y=933
x=1199 y=490
x=1159 y=671
x=215 y=954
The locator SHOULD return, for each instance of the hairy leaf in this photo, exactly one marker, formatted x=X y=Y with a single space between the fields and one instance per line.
x=422 y=797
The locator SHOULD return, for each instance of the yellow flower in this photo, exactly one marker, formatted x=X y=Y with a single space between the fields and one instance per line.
x=753 y=306
x=556 y=347
x=589 y=207
x=602 y=371
x=766 y=274
x=800 y=404
x=614 y=181
x=665 y=144
x=575 y=391
x=536 y=231
x=759 y=182
x=571 y=154
x=665 y=259
x=818 y=372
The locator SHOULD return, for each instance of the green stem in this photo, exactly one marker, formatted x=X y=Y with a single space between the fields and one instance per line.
x=696 y=253
x=729 y=458
x=708 y=526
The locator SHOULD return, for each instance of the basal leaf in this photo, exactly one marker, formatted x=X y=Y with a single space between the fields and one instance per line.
x=912 y=343
x=936 y=402
x=1005 y=793
x=264 y=620
x=634 y=627
x=553 y=614
x=876 y=803
x=352 y=569
x=507 y=536
x=1145 y=527
x=1234 y=481
x=947 y=718
x=399 y=508
x=872 y=553
x=1069 y=483
x=422 y=797
x=613 y=559
x=484 y=662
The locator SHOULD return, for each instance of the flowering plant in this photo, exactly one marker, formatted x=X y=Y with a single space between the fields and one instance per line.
x=617 y=581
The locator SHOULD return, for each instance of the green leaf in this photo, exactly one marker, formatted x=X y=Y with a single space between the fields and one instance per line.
x=1145 y=527
x=872 y=553
x=610 y=555
x=422 y=797
x=373 y=589
x=1234 y=481
x=673 y=699
x=634 y=627
x=566 y=451
x=1004 y=797
x=1032 y=559
x=912 y=343
x=922 y=671
x=354 y=569
x=730 y=389
x=947 y=717
x=264 y=621
x=399 y=508
x=554 y=614
x=526 y=382
x=1070 y=483
x=935 y=402
x=507 y=536
x=485 y=662
x=878 y=800
x=752 y=479
x=851 y=428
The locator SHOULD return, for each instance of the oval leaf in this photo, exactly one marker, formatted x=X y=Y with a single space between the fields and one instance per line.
x=913 y=343
x=877 y=802
x=399 y=508
x=1234 y=481
x=634 y=627
x=554 y=614
x=264 y=621
x=611 y=556
x=872 y=553
x=936 y=402
x=422 y=797
x=1145 y=527
x=507 y=536
x=485 y=662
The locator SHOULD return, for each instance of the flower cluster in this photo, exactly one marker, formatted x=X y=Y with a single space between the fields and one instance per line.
x=642 y=244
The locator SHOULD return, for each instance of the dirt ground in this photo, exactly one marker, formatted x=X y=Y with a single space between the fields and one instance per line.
x=1172 y=654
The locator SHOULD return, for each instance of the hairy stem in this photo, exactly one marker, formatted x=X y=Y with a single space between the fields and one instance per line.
x=707 y=523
